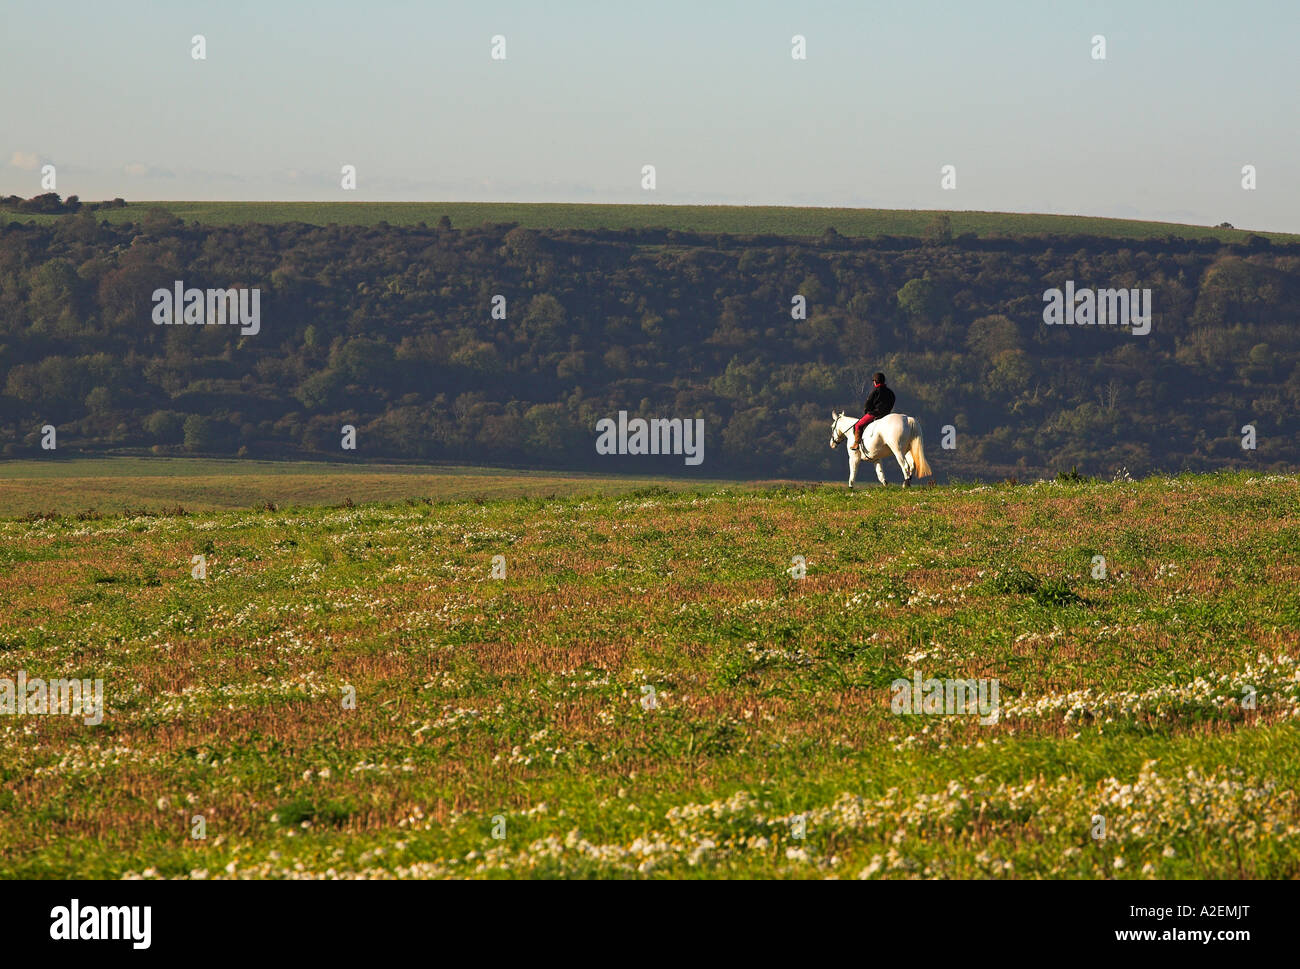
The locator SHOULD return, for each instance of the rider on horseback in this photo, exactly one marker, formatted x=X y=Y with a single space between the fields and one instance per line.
x=879 y=403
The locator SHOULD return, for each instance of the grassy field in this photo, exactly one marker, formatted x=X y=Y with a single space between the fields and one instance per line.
x=648 y=692
x=166 y=484
x=733 y=219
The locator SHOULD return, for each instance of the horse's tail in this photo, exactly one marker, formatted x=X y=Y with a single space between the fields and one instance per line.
x=919 y=462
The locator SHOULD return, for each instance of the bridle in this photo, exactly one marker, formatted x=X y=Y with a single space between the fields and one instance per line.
x=836 y=434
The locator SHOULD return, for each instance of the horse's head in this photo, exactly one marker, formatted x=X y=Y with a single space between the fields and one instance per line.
x=836 y=434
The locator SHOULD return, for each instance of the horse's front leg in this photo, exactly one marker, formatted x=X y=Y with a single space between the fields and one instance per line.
x=853 y=468
x=880 y=472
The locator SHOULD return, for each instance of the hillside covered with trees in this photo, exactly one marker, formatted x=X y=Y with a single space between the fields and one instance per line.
x=391 y=330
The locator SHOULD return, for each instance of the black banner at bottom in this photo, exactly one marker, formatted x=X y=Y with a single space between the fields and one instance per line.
x=142 y=919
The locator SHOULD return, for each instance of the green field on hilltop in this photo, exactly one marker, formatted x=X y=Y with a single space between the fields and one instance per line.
x=644 y=688
x=730 y=219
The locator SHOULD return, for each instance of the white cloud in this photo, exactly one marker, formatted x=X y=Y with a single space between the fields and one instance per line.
x=28 y=161
x=141 y=170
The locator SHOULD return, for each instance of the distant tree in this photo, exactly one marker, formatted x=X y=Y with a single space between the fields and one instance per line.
x=543 y=320
x=165 y=426
x=990 y=335
x=548 y=430
x=363 y=361
x=940 y=229
x=200 y=433
x=157 y=220
x=319 y=390
x=1012 y=371
x=922 y=299
x=522 y=243
x=53 y=294
x=99 y=401
x=811 y=289
x=48 y=204
x=82 y=227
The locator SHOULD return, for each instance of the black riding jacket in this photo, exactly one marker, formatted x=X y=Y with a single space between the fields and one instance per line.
x=880 y=403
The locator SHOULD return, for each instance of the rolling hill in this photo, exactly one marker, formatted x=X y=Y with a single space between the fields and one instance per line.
x=730 y=219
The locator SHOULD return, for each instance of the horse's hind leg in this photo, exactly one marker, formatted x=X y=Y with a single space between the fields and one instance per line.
x=902 y=463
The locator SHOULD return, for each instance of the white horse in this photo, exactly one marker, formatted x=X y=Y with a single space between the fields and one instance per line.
x=896 y=433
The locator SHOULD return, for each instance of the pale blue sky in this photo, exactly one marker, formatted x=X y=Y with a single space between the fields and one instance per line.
x=707 y=92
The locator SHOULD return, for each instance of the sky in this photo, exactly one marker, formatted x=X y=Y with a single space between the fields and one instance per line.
x=1006 y=91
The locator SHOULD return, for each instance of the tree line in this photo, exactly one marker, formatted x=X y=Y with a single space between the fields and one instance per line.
x=393 y=331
